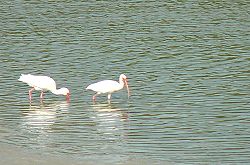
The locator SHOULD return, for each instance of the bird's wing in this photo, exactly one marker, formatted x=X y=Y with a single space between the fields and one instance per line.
x=40 y=82
x=104 y=86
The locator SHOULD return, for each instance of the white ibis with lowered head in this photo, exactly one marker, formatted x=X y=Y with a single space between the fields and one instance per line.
x=43 y=83
x=109 y=86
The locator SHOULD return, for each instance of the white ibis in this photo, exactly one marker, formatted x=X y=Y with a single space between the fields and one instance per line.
x=43 y=83
x=109 y=86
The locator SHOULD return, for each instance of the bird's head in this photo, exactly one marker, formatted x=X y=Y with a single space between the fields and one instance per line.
x=125 y=80
x=65 y=92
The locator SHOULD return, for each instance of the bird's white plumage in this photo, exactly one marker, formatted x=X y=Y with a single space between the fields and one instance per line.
x=105 y=86
x=43 y=83
x=39 y=82
x=109 y=86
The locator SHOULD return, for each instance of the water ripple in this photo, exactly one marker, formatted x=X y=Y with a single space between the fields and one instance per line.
x=188 y=70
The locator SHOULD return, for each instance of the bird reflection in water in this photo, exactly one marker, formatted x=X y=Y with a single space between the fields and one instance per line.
x=111 y=124
x=37 y=123
x=40 y=117
x=111 y=121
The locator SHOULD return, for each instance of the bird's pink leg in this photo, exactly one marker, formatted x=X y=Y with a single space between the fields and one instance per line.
x=30 y=93
x=94 y=97
x=41 y=95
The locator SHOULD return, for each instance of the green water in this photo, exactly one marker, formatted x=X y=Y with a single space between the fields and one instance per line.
x=188 y=67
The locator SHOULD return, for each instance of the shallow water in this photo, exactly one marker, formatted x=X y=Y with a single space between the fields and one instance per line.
x=188 y=68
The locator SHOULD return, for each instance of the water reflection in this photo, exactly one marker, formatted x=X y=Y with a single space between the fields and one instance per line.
x=110 y=119
x=44 y=115
x=111 y=125
x=37 y=123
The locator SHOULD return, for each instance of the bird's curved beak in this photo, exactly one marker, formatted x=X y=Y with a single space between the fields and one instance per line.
x=126 y=84
x=68 y=97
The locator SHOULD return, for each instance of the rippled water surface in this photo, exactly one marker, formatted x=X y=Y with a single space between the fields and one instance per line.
x=188 y=66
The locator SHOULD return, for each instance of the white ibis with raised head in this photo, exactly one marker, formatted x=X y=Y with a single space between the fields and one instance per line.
x=43 y=83
x=109 y=86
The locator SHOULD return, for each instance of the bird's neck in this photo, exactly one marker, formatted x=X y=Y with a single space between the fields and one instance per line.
x=121 y=82
x=57 y=91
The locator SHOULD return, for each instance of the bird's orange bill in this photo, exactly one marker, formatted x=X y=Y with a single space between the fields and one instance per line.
x=126 y=84
x=68 y=96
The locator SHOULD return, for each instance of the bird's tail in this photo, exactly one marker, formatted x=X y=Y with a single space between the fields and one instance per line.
x=89 y=87
x=24 y=77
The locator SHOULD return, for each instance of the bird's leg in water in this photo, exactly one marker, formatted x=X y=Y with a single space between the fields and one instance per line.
x=94 y=97
x=109 y=96
x=30 y=93
x=41 y=95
